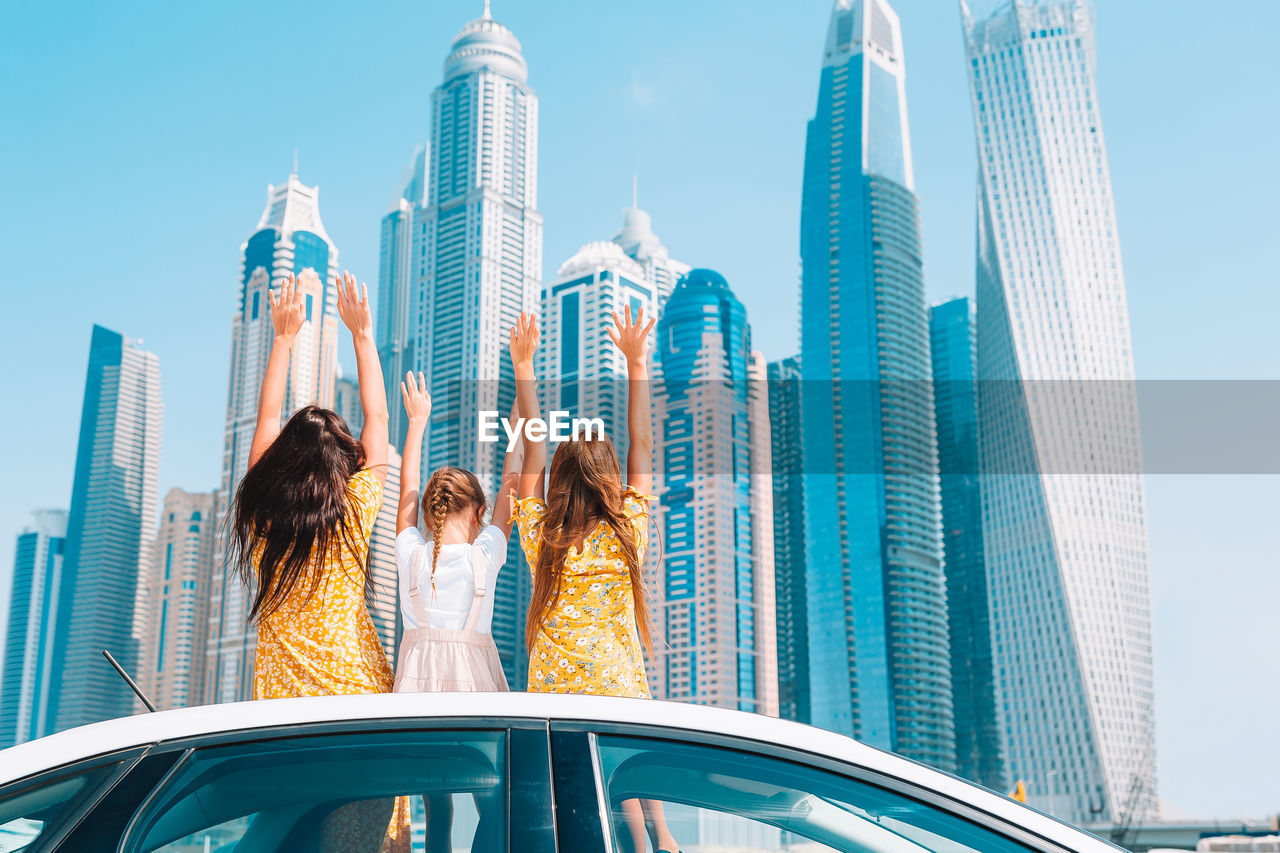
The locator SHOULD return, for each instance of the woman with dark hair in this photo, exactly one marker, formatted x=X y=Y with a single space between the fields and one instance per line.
x=300 y=527
x=302 y=518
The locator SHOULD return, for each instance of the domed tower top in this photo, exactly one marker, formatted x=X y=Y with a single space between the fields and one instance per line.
x=485 y=43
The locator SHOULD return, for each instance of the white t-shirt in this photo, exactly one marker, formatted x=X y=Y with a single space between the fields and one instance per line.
x=454 y=581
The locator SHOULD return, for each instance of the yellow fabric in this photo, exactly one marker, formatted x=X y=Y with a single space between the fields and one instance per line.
x=588 y=641
x=325 y=644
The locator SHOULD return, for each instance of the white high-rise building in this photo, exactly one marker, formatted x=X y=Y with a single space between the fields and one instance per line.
x=346 y=402
x=475 y=263
x=290 y=238
x=1063 y=504
x=643 y=246
x=583 y=372
x=175 y=603
x=384 y=597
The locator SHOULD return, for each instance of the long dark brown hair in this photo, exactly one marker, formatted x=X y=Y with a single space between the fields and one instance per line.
x=291 y=508
x=584 y=489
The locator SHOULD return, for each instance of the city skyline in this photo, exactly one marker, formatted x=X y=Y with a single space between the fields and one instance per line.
x=910 y=40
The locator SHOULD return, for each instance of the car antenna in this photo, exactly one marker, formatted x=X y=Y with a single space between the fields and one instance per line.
x=133 y=685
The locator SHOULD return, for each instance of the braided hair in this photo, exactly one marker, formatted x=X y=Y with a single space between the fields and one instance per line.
x=449 y=490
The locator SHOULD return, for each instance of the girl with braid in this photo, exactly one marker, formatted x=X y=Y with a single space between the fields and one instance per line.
x=447 y=577
x=446 y=591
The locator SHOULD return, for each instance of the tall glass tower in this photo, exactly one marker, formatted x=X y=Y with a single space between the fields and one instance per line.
x=290 y=238
x=28 y=647
x=476 y=264
x=879 y=669
x=955 y=395
x=788 y=538
x=109 y=529
x=395 y=317
x=716 y=632
x=1065 y=537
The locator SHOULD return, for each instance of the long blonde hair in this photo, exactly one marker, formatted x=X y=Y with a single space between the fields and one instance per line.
x=584 y=489
x=449 y=490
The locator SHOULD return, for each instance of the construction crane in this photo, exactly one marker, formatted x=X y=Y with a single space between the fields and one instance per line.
x=1120 y=831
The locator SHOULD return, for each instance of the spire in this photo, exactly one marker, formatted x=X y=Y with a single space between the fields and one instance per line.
x=635 y=190
x=294 y=173
x=486 y=9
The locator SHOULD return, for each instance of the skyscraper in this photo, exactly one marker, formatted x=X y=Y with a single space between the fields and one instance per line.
x=879 y=670
x=28 y=647
x=289 y=238
x=176 y=586
x=395 y=317
x=717 y=644
x=951 y=342
x=1063 y=506
x=582 y=371
x=788 y=538
x=637 y=239
x=109 y=529
x=476 y=264
x=346 y=402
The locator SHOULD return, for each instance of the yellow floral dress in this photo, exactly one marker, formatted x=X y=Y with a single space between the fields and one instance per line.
x=588 y=642
x=323 y=643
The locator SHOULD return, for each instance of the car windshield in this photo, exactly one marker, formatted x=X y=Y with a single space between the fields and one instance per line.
x=30 y=808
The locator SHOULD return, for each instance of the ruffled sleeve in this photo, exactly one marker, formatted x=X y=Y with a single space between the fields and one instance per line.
x=635 y=506
x=529 y=516
x=364 y=494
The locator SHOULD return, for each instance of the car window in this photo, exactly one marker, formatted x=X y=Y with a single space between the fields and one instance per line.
x=35 y=807
x=713 y=798
x=392 y=791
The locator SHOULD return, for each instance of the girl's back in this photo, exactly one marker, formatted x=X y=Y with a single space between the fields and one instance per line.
x=588 y=640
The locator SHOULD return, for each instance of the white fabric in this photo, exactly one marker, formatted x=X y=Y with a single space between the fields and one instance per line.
x=448 y=605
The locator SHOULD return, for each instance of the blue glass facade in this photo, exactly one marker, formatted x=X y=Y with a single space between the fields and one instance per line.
x=879 y=670
x=704 y=344
x=952 y=344
x=788 y=539
x=23 y=688
x=112 y=500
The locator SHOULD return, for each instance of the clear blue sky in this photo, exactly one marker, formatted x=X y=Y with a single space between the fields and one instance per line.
x=140 y=137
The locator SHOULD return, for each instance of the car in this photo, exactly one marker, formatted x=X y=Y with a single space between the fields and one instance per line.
x=532 y=773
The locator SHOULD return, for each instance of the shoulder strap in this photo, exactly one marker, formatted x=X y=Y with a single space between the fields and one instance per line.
x=415 y=591
x=479 y=572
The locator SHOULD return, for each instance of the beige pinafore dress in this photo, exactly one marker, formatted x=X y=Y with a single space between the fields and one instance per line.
x=440 y=660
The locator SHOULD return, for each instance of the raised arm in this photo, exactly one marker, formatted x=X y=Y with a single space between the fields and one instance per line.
x=287 y=314
x=632 y=339
x=353 y=308
x=417 y=403
x=510 y=485
x=524 y=343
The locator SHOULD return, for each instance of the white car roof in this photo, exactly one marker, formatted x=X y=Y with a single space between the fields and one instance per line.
x=96 y=739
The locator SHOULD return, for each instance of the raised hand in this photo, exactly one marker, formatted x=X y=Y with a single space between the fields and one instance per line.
x=287 y=310
x=629 y=336
x=417 y=402
x=353 y=306
x=524 y=339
